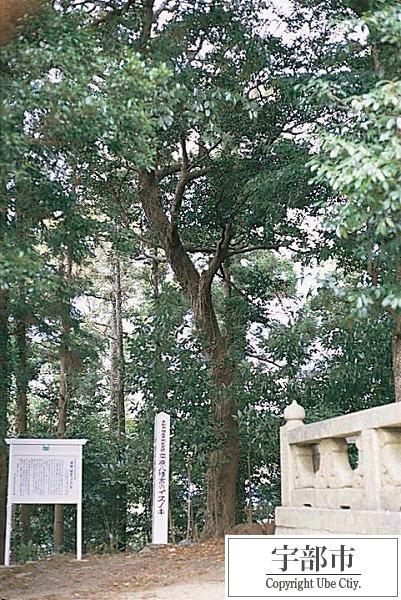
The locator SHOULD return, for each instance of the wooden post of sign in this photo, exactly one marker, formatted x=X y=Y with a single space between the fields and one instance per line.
x=9 y=512
x=79 y=513
x=161 y=464
x=7 y=549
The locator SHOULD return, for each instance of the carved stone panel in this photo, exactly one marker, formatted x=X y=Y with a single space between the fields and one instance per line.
x=304 y=470
x=390 y=443
x=335 y=471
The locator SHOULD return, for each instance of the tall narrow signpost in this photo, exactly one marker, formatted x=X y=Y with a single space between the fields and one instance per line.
x=161 y=464
x=44 y=472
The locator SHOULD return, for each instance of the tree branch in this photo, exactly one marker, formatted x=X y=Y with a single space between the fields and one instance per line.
x=97 y=296
x=262 y=358
x=220 y=255
x=167 y=235
x=246 y=249
x=242 y=294
x=202 y=158
x=146 y=256
x=168 y=170
x=185 y=160
x=147 y=24
x=182 y=182
x=186 y=178
x=233 y=250
x=204 y=249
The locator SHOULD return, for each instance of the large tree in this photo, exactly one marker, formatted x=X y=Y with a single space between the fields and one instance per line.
x=223 y=178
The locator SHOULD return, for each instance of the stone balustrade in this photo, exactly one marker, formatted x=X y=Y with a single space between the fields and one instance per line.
x=341 y=475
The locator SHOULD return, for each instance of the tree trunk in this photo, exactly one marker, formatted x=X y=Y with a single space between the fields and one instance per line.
x=397 y=361
x=222 y=473
x=117 y=354
x=117 y=381
x=396 y=338
x=21 y=376
x=61 y=429
x=64 y=358
x=221 y=478
x=249 y=510
x=396 y=314
x=172 y=525
x=22 y=379
x=4 y=397
x=190 y=522
x=224 y=468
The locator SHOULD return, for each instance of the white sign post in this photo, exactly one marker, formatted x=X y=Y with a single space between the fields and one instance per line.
x=44 y=472
x=161 y=460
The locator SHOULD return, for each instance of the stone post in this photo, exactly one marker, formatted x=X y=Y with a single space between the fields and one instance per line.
x=371 y=468
x=294 y=415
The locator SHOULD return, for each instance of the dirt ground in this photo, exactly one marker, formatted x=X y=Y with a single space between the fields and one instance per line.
x=168 y=573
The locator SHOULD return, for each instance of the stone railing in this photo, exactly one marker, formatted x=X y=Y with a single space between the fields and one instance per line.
x=322 y=492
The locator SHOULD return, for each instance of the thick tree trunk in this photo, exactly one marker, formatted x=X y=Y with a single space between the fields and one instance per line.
x=221 y=478
x=64 y=358
x=117 y=389
x=4 y=397
x=222 y=473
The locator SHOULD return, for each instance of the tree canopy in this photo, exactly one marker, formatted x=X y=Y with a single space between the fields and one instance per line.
x=173 y=176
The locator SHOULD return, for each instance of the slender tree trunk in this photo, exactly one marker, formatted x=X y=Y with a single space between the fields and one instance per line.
x=64 y=360
x=61 y=429
x=397 y=342
x=190 y=512
x=397 y=361
x=4 y=397
x=22 y=379
x=118 y=395
x=249 y=510
x=172 y=525
x=117 y=352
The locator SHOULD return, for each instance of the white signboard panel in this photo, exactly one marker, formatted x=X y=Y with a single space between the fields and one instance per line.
x=161 y=464
x=44 y=472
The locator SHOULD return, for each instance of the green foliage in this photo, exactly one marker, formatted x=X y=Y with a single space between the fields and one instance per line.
x=361 y=163
x=88 y=101
x=335 y=367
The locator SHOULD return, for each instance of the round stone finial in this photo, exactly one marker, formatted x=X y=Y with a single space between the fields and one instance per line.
x=294 y=412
